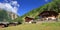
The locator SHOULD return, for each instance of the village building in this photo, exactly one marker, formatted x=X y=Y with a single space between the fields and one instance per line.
x=2 y=25
x=29 y=20
x=48 y=15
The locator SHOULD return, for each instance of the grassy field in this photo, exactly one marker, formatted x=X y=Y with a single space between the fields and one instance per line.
x=39 y=26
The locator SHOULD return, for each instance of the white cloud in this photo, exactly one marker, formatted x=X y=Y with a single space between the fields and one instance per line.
x=11 y=6
x=14 y=3
x=2 y=5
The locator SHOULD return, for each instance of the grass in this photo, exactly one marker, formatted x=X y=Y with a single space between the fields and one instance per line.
x=39 y=26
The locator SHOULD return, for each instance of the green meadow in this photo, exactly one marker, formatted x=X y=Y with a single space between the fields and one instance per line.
x=38 y=26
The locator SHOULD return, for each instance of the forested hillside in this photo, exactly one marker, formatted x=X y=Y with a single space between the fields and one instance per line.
x=3 y=15
x=52 y=6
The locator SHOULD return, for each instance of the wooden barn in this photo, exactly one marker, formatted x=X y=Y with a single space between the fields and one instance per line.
x=7 y=24
x=48 y=15
x=2 y=25
x=28 y=19
x=14 y=23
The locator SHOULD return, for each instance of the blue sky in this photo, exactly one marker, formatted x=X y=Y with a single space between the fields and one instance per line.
x=28 y=5
x=21 y=7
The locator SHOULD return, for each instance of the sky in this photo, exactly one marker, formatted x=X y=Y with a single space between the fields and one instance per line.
x=21 y=7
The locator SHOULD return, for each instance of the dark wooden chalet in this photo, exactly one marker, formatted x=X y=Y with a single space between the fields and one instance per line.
x=2 y=25
x=28 y=19
x=6 y=24
x=48 y=14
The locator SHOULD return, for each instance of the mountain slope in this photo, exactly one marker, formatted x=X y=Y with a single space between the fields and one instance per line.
x=54 y=6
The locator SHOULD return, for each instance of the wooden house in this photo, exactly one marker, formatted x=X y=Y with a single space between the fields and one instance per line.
x=28 y=19
x=2 y=25
x=14 y=23
x=48 y=15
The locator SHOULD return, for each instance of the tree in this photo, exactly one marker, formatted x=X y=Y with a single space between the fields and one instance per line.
x=3 y=15
x=57 y=5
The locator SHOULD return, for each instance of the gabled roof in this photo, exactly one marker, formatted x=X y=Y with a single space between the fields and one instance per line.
x=27 y=19
x=48 y=13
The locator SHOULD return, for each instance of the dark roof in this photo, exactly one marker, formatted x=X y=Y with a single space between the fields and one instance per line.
x=27 y=19
x=48 y=13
